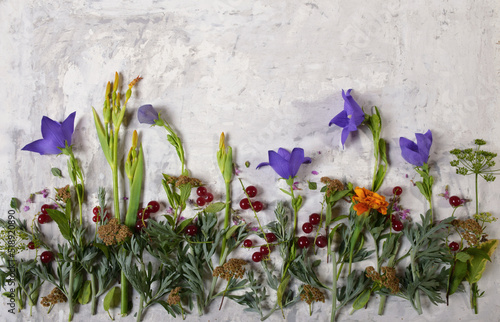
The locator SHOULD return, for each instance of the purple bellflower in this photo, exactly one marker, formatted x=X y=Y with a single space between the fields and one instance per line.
x=416 y=154
x=56 y=136
x=350 y=118
x=147 y=114
x=286 y=164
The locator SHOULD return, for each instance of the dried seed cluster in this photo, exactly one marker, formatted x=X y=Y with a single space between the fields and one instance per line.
x=470 y=230
x=311 y=294
x=181 y=180
x=55 y=296
x=174 y=297
x=63 y=193
x=113 y=233
x=232 y=269
x=388 y=278
x=332 y=185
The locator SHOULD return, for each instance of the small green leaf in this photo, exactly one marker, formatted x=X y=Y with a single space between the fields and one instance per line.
x=463 y=256
x=287 y=192
x=103 y=248
x=112 y=299
x=247 y=164
x=316 y=263
x=361 y=300
x=281 y=289
x=62 y=222
x=15 y=204
x=477 y=265
x=135 y=191
x=231 y=230
x=85 y=293
x=56 y=172
x=312 y=185
x=457 y=276
x=183 y=224
x=215 y=207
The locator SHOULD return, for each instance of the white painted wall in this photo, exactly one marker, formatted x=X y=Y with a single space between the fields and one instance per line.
x=269 y=74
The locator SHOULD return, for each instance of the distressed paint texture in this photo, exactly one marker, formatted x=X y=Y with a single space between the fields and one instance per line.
x=269 y=74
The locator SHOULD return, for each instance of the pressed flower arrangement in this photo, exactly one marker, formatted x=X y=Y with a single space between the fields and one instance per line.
x=191 y=256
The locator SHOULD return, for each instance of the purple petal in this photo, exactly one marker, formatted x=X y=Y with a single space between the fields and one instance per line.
x=345 y=134
x=52 y=132
x=42 y=146
x=350 y=105
x=296 y=160
x=279 y=164
x=409 y=152
x=424 y=142
x=340 y=119
x=262 y=164
x=315 y=172
x=284 y=153
x=307 y=160
x=147 y=114
x=68 y=127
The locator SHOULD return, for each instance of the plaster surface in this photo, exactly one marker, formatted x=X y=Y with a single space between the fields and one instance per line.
x=269 y=74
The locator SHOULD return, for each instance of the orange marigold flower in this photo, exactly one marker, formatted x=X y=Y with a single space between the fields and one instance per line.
x=367 y=200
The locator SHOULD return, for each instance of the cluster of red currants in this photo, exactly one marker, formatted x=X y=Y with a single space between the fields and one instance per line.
x=264 y=249
x=144 y=213
x=245 y=202
x=308 y=227
x=97 y=216
x=204 y=196
x=45 y=257
x=397 y=224
x=44 y=217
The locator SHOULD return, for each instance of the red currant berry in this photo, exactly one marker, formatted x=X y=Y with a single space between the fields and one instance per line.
x=144 y=215
x=303 y=242
x=96 y=218
x=46 y=257
x=244 y=204
x=201 y=191
x=454 y=246
x=139 y=212
x=96 y=210
x=455 y=201
x=397 y=225
x=270 y=237
x=31 y=245
x=200 y=201
x=45 y=207
x=257 y=257
x=397 y=190
x=314 y=219
x=265 y=250
x=192 y=230
x=247 y=243
x=153 y=206
x=307 y=227
x=257 y=206
x=251 y=191
x=44 y=218
x=140 y=225
x=208 y=197
x=321 y=241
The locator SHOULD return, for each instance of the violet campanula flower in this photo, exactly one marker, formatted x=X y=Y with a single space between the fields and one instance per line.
x=286 y=164
x=416 y=154
x=350 y=118
x=147 y=114
x=56 y=136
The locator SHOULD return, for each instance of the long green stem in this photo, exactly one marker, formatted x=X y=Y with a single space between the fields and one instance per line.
x=70 y=291
x=141 y=304
x=93 y=285
x=334 y=287
x=414 y=273
x=124 y=295
x=473 y=297
x=477 y=197
x=114 y=169
x=227 y=216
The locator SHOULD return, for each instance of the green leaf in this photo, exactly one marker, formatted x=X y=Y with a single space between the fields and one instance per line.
x=231 y=230
x=316 y=263
x=62 y=222
x=463 y=256
x=247 y=164
x=170 y=220
x=85 y=293
x=282 y=288
x=215 y=207
x=287 y=192
x=102 y=137
x=361 y=300
x=312 y=185
x=183 y=224
x=477 y=253
x=15 y=204
x=135 y=191
x=477 y=265
x=457 y=276
x=56 y=172
x=112 y=299
x=103 y=248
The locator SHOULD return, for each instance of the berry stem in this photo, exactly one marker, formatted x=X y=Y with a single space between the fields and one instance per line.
x=227 y=216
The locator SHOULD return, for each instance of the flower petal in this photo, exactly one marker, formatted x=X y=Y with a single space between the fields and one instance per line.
x=284 y=153
x=68 y=127
x=262 y=164
x=424 y=142
x=307 y=160
x=52 y=132
x=296 y=160
x=350 y=105
x=340 y=119
x=42 y=146
x=147 y=114
x=345 y=134
x=279 y=164
x=409 y=152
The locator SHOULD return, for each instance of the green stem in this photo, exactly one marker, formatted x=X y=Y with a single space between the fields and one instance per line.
x=473 y=297
x=114 y=169
x=93 y=285
x=124 y=295
x=141 y=304
x=227 y=216
x=334 y=287
x=477 y=198
x=70 y=291
x=354 y=239
x=414 y=273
